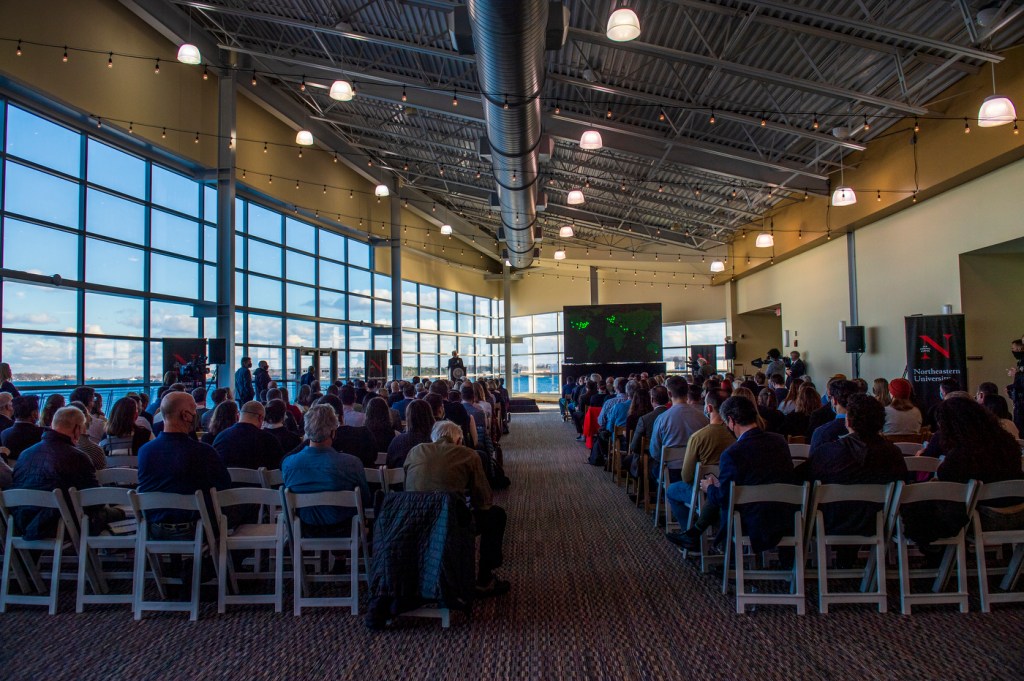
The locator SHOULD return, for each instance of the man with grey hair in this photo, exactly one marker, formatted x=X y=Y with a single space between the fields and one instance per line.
x=444 y=465
x=6 y=411
x=319 y=468
x=53 y=463
x=246 y=444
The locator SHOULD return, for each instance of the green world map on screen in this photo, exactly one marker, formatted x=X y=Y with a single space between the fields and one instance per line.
x=612 y=333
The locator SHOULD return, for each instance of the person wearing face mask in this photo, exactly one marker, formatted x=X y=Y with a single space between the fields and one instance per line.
x=53 y=463
x=839 y=393
x=705 y=446
x=1016 y=390
x=174 y=462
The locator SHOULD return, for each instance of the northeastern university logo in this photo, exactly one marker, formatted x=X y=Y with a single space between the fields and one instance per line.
x=930 y=345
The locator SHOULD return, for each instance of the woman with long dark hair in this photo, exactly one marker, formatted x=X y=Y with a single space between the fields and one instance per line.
x=798 y=422
x=53 y=403
x=378 y=422
x=789 y=403
x=224 y=416
x=997 y=405
x=6 y=376
x=419 y=420
x=640 y=405
x=122 y=431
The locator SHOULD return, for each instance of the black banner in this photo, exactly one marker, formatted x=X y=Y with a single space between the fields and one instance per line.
x=936 y=350
x=376 y=363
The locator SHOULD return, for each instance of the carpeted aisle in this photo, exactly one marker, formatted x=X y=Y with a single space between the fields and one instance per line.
x=597 y=594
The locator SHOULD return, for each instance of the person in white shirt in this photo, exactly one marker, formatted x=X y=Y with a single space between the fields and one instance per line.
x=901 y=417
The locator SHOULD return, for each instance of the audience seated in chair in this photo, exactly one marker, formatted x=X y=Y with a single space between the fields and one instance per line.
x=24 y=433
x=445 y=465
x=246 y=444
x=839 y=392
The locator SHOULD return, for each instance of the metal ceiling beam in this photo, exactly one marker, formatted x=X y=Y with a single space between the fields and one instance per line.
x=753 y=72
x=668 y=102
x=912 y=40
x=439 y=101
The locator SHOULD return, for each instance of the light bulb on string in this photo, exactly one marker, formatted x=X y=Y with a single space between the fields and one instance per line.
x=65 y=57
x=156 y=67
x=17 y=50
x=110 y=61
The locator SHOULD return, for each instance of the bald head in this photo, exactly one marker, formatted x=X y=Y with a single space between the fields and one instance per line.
x=253 y=413
x=69 y=421
x=179 y=412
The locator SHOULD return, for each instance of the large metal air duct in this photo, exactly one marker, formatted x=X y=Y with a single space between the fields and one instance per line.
x=509 y=40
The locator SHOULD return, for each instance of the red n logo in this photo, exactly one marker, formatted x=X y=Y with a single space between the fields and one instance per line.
x=941 y=349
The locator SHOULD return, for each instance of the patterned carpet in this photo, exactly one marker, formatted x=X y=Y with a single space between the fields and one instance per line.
x=597 y=594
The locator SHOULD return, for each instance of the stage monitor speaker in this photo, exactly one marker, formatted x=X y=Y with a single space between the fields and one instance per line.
x=730 y=351
x=217 y=350
x=396 y=358
x=855 y=339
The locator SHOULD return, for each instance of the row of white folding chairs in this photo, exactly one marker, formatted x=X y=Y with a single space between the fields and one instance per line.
x=889 y=528
x=23 y=559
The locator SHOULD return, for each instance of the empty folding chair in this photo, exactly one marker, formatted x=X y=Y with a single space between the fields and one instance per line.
x=266 y=533
x=147 y=547
x=737 y=542
x=375 y=479
x=118 y=477
x=955 y=545
x=999 y=535
x=671 y=458
x=382 y=459
x=909 y=448
x=96 y=550
x=16 y=547
x=351 y=544
x=921 y=464
x=823 y=495
x=615 y=449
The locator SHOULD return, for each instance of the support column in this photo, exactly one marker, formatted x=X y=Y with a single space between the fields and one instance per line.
x=851 y=265
x=506 y=293
x=593 y=286
x=396 y=280
x=226 y=189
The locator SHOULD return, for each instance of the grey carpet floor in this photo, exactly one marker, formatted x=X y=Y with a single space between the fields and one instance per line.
x=597 y=594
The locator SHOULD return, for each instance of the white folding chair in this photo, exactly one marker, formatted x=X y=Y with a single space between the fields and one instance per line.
x=992 y=491
x=122 y=461
x=249 y=537
x=118 y=477
x=91 y=546
x=737 y=542
x=697 y=499
x=823 y=495
x=799 y=451
x=245 y=476
x=302 y=581
x=955 y=545
x=146 y=548
x=671 y=457
x=16 y=542
x=921 y=464
x=382 y=459
x=271 y=479
x=392 y=477
x=374 y=476
x=909 y=448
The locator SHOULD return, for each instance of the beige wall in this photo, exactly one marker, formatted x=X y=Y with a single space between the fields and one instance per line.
x=989 y=283
x=536 y=294
x=755 y=333
x=812 y=290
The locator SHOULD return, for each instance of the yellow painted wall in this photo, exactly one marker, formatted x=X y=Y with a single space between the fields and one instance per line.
x=812 y=289
x=989 y=284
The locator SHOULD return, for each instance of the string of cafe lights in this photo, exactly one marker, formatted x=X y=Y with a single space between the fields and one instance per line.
x=350 y=88
x=305 y=139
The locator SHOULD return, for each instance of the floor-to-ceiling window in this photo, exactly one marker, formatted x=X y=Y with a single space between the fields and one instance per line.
x=678 y=339
x=104 y=254
x=537 y=360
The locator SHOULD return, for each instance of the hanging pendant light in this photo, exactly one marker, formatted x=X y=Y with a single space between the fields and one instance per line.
x=591 y=141
x=304 y=138
x=623 y=25
x=446 y=229
x=342 y=91
x=575 y=198
x=764 y=240
x=996 y=109
x=843 y=195
x=189 y=54
x=381 y=190
x=717 y=266
x=560 y=254
x=566 y=232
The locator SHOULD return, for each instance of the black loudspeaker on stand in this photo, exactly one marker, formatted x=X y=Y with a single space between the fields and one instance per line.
x=396 y=358
x=730 y=350
x=855 y=339
x=217 y=350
